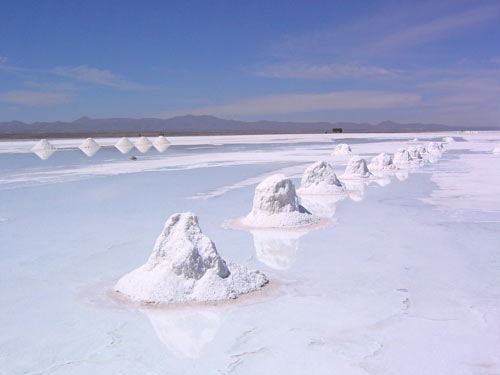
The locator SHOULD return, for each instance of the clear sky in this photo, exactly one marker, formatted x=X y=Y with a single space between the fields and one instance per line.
x=421 y=61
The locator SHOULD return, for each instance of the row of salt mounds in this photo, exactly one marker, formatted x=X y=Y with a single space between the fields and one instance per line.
x=186 y=267
x=342 y=149
x=124 y=145
x=89 y=147
x=320 y=178
x=43 y=149
x=143 y=144
x=161 y=144
x=356 y=169
x=276 y=205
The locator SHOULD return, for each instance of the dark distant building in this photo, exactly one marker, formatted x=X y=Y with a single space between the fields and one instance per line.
x=337 y=130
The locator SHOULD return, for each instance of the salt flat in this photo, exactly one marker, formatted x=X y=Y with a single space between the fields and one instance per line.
x=405 y=280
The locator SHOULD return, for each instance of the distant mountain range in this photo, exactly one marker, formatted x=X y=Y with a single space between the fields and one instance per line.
x=200 y=125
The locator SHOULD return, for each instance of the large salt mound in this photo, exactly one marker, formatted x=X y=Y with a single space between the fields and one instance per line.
x=185 y=266
x=43 y=149
x=381 y=162
x=143 y=144
x=124 y=145
x=496 y=150
x=161 y=144
x=276 y=205
x=356 y=168
x=342 y=149
x=320 y=178
x=89 y=147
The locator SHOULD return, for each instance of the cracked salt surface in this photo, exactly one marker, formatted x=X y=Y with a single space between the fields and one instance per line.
x=367 y=294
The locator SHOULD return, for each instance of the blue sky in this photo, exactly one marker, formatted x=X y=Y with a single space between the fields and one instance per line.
x=422 y=61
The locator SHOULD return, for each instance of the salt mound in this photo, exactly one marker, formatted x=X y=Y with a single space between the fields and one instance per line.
x=276 y=205
x=448 y=139
x=43 y=149
x=414 y=153
x=356 y=168
x=124 y=145
x=89 y=147
x=402 y=159
x=496 y=150
x=413 y=140
x=143 y=144
x=381 y=162
x=342 y=149
x=435 y=148
x=185 y=266
x=161 y=144
x=320 y=178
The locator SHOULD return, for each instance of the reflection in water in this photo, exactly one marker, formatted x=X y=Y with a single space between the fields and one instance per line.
x=322 y=205
x=277 y=249
x=356 y=189
x=401 y=174
x=383 y=179
x=184 y=332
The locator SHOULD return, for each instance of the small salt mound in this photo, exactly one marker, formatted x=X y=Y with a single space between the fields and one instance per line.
x=320 y=178
x=381 y=162
x=161 y=144
x=43 y=149
x=413 y=140
x=356 y=168
x=402 y=159
x=496 y=150
x=435 y=148
x=185 y=266
x=89 y=147
x=448 y=139
x=342 y=149
x=143 y=144
x=124 y=145
x=276 y=205
x=414 y=153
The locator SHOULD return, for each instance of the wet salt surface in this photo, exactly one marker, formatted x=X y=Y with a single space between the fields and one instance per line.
x=406 y=281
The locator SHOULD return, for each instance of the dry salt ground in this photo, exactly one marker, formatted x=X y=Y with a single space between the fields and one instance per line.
x=402 y=269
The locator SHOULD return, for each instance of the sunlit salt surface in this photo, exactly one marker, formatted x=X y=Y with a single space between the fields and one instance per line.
x=405 y=279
